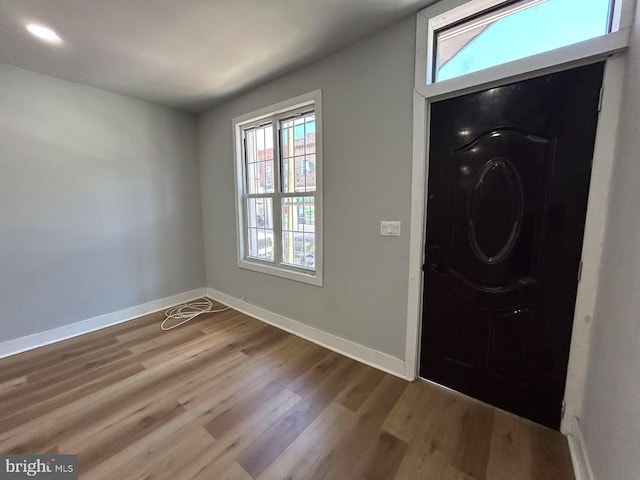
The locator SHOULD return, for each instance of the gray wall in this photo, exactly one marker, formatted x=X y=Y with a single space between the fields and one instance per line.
x=99 y=203
x=367 y=121
x=611 y=412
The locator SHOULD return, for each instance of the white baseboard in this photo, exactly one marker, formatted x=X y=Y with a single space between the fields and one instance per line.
x=369 y=356
x=29 y=342
x=579 y=456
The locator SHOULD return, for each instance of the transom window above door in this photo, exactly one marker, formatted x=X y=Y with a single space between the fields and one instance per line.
x=485 y=33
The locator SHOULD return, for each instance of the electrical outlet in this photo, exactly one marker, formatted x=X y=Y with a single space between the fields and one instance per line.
x=389 y=229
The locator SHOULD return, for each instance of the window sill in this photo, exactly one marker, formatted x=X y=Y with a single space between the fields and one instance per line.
x=298 y=276
x=585 y=52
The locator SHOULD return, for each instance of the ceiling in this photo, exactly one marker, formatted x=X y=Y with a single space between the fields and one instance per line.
x=188 y=54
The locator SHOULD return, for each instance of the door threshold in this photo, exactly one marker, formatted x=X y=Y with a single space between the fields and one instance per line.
x=481 y=402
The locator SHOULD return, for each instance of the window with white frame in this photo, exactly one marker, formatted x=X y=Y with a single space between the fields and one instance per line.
x=279 y=183
x=485 y=33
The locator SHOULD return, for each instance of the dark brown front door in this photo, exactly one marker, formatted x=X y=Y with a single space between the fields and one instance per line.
x=509 y=172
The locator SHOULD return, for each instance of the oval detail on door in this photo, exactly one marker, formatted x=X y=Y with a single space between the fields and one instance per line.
x=495 y=210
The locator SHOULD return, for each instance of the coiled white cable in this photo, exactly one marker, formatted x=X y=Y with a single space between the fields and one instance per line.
x=188 y=311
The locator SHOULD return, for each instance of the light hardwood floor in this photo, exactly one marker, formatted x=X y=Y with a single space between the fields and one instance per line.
x=228 y=397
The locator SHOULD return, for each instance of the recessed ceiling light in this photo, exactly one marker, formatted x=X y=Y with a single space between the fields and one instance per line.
x=43 y=32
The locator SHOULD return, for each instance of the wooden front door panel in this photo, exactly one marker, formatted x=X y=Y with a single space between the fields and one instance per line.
x=509 y=172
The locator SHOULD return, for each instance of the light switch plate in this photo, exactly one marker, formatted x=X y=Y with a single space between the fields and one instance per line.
x=389 y=229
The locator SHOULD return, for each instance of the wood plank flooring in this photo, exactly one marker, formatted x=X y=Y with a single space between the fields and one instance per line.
x=229 y=397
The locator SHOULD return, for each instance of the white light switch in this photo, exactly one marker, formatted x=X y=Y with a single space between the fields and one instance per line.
x=389 y=229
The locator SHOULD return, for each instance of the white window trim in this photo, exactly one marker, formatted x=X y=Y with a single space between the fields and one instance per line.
x=447 y=12
x=239 y=123
x=609 y=47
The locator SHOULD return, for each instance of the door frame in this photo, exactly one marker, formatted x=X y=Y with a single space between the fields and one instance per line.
x=610 y=49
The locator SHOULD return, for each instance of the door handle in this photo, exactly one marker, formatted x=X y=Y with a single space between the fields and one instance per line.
x=434 y=267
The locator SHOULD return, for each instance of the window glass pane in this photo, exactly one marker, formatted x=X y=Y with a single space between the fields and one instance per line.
x=298 y=140
x=298 y=232
x=260 y=228
x=517 y=31
x=259 y=159
x=260 y=213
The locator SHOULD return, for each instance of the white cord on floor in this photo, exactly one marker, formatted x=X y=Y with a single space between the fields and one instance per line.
x=188 y=311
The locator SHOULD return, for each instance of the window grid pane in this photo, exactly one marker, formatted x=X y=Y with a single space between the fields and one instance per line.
x=298 y=140
x=259 y=159
x=260 y=228
x=298 y=231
